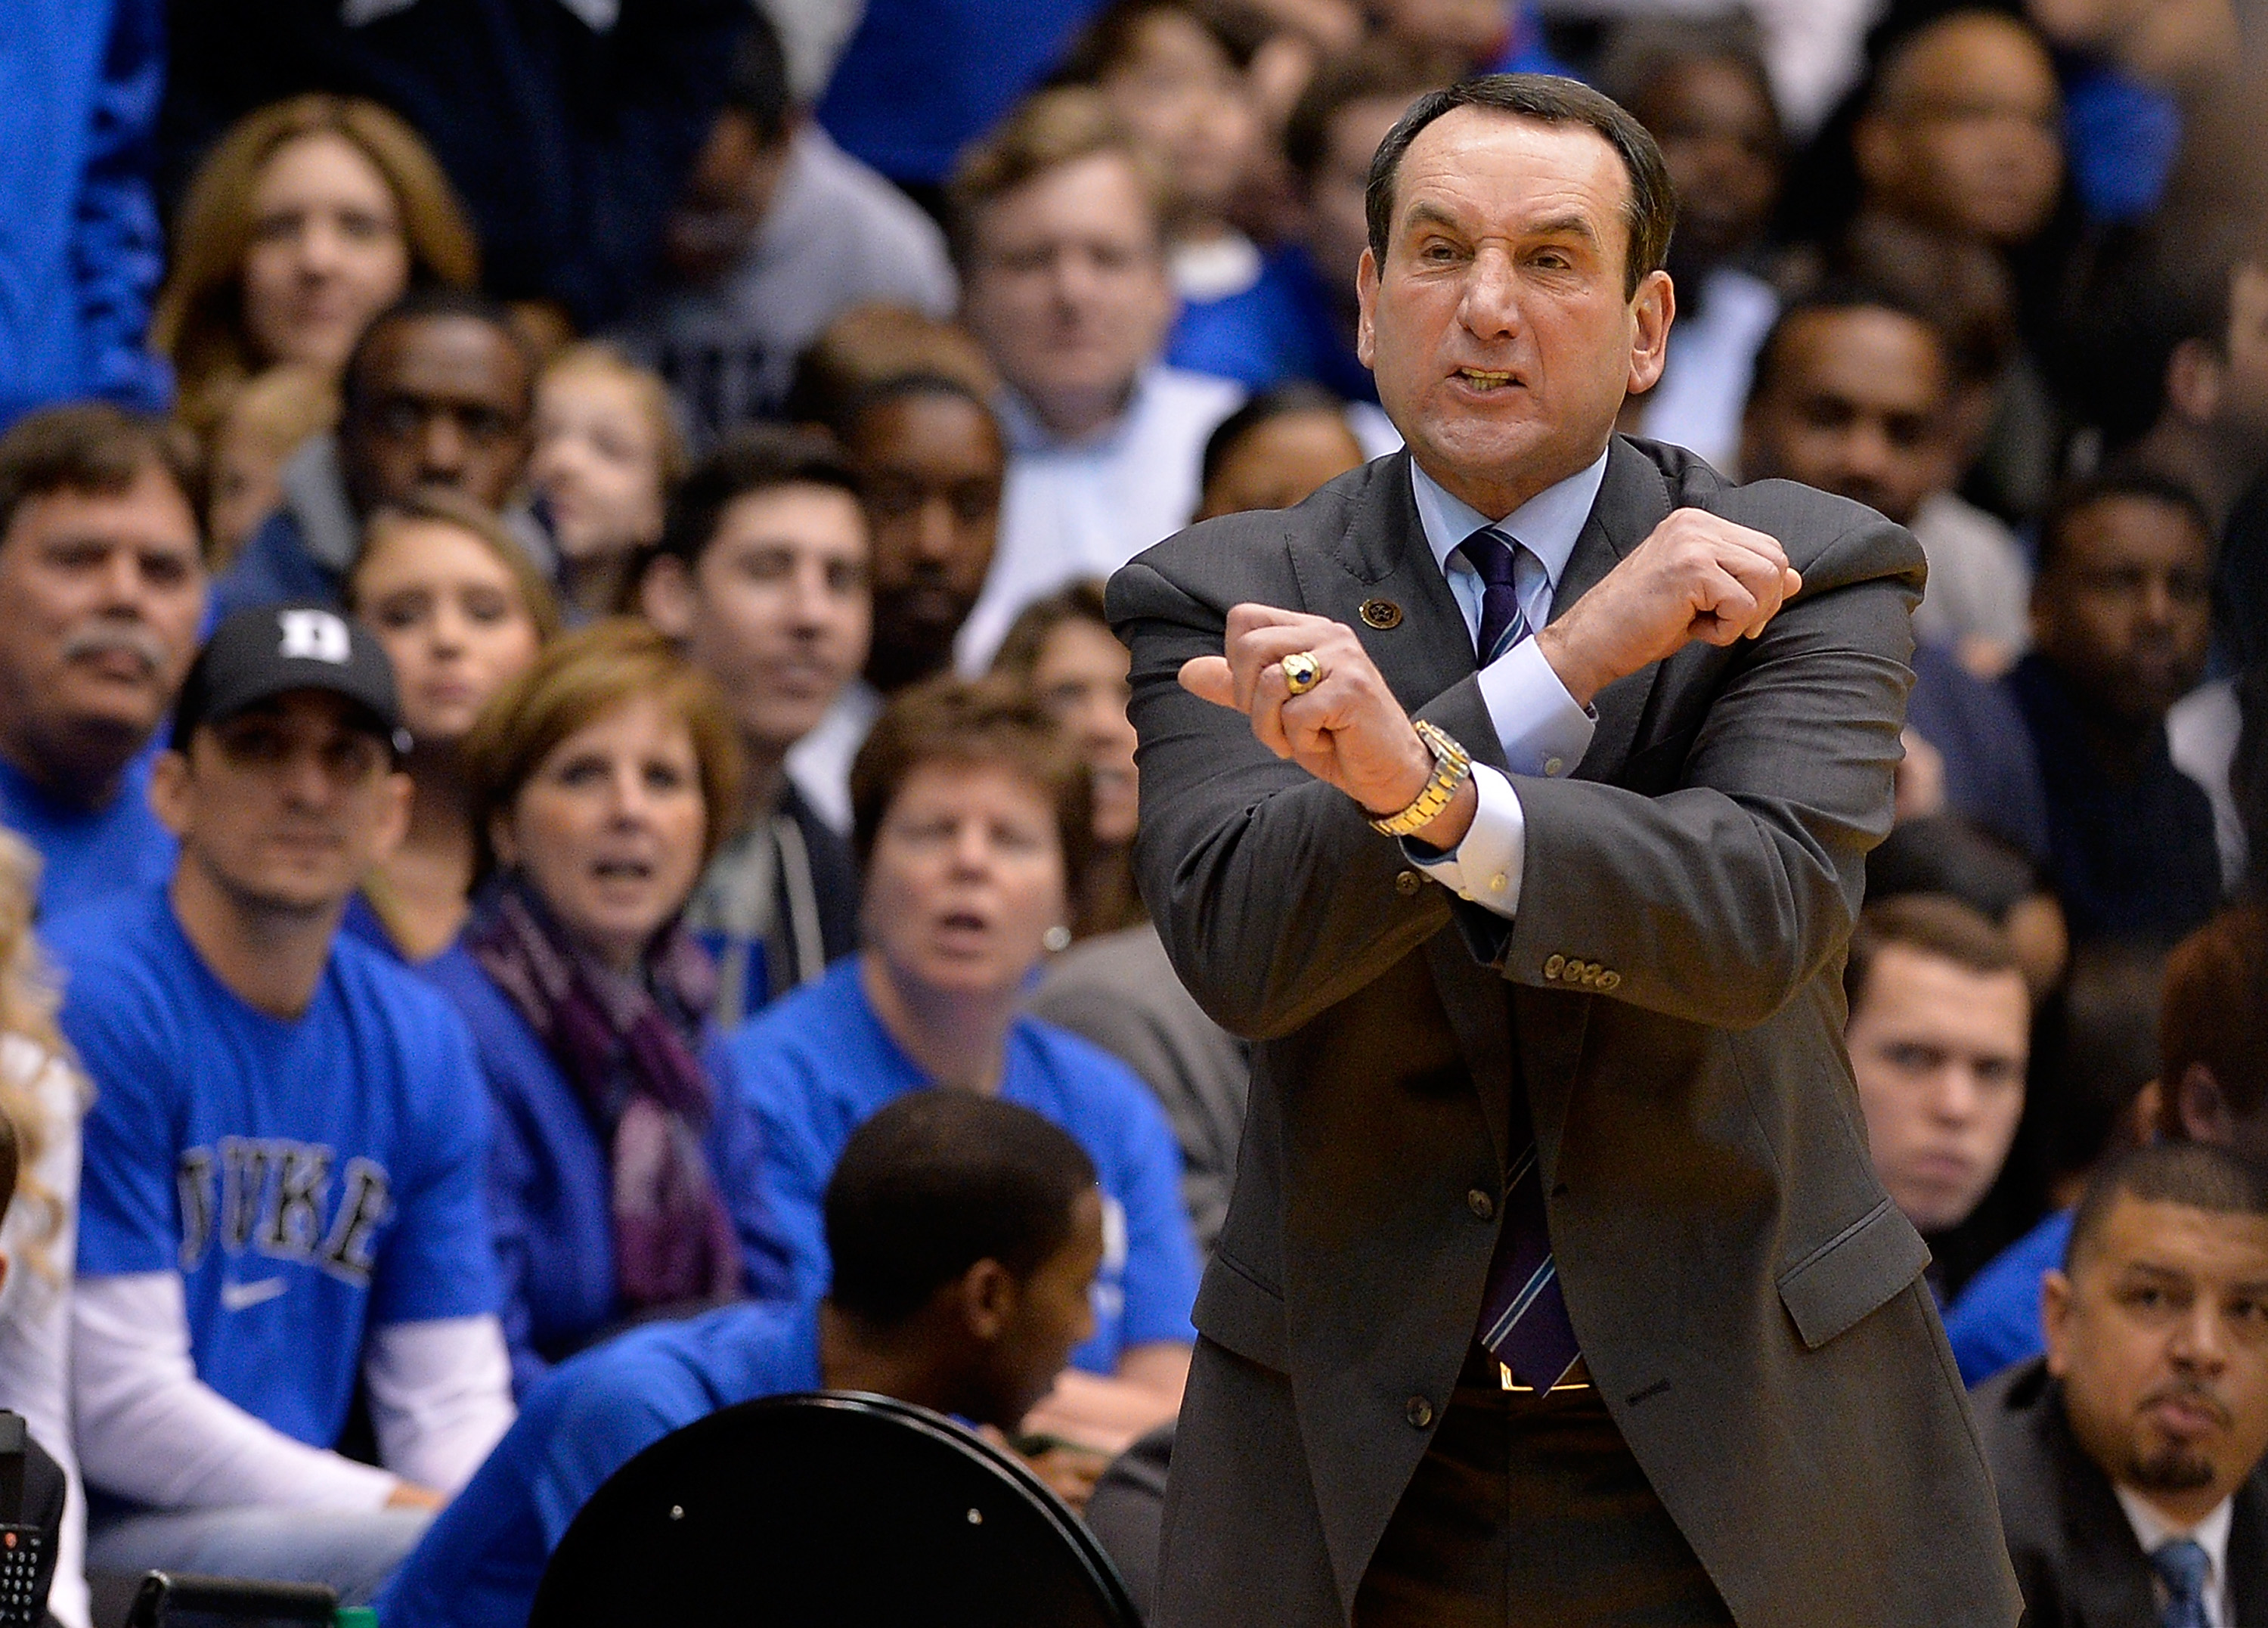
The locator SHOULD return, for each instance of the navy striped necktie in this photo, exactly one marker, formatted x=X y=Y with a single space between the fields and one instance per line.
x=2183 y=1566
x=1496 y=557
x=1524 y=1324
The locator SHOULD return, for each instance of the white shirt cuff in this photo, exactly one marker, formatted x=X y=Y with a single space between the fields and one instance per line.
x=1543 y=732
x=1487 y=867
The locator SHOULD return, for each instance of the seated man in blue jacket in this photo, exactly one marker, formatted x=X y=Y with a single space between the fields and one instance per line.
x=965 y=1232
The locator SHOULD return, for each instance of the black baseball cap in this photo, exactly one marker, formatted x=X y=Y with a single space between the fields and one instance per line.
x=257 y=654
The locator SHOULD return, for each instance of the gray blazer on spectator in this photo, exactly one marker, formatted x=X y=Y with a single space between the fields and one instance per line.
x=1668 y=1000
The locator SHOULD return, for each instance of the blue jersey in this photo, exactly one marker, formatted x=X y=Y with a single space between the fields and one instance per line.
x=819 y=1063
x=86 y=854
x=480 y=1561
x=308 y=1178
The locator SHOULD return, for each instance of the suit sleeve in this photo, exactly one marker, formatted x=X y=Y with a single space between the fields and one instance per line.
x=1249 y=865
x=1716 y=901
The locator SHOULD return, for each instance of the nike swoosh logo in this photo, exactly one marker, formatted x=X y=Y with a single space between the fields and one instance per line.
x=243 y=1296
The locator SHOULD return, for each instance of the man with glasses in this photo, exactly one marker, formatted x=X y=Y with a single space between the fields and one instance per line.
x=284 y=1164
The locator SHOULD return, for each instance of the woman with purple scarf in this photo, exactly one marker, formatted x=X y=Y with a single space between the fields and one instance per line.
x=623 y=1178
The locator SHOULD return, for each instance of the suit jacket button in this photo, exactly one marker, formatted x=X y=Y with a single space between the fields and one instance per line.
x=1418 y=1412
x=1381 y=613
x=1481 y=1205
x=1408 y=883
x=1610 y=981
x=1555 y=966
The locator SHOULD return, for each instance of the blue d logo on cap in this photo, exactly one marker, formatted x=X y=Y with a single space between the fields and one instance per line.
x=314 y=636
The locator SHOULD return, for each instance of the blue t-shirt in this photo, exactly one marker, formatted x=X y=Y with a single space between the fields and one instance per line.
x=309 y=1178
x=479 y=1563
x=819 y=1063
x=1995 y=1320
x=85 y=855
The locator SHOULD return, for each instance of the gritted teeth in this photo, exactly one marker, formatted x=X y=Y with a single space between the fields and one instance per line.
x=1483 y=377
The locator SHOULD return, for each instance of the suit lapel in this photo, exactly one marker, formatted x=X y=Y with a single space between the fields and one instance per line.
x=2248 y=1551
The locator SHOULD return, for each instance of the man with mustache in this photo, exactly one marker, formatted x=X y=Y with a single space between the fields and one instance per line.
x=104 y=585
x=2126 y=1458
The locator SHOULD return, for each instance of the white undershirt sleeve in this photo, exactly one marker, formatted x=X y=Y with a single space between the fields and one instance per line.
x=150 y=1430
x=440 y=1397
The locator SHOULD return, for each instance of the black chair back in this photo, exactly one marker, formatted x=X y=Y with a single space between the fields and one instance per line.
x=827 y=1510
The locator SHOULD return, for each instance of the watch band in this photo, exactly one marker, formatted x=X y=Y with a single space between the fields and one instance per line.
x=1452 y=766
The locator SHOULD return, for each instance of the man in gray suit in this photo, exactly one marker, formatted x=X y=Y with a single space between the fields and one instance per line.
x=1557 y=1287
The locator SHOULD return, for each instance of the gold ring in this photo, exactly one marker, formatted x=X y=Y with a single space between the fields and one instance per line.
x=1301 y=671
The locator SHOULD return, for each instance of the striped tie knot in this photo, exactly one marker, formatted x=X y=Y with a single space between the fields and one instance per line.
x=1496 y=558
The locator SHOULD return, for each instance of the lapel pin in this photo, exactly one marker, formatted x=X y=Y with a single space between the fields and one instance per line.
x=1381 y=613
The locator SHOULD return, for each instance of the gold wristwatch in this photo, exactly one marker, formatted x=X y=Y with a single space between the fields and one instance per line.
x=1452 y=765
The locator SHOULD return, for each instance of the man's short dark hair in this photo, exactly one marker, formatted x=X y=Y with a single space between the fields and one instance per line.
x=1296 y=398
x=1647 y=51
x=1651 y=214
x=94 y=449
x=2148 y=289
x=1834 y=297
x=2122 y=479
x=1928 y=923
x=755 y=459
x=2197 y=1174
x=937 y=1182
x=756 y=86
x=2214 y=1013
x=435 y=302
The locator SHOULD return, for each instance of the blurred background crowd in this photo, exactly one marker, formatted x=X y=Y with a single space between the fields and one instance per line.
x=682 y=442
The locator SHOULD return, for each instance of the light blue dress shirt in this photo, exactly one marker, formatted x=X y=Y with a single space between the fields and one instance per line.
x=1542 y=731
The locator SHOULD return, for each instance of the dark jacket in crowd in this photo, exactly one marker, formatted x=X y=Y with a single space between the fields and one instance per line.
x=567 y=142
x=2130 y=860
x=2076 y=1555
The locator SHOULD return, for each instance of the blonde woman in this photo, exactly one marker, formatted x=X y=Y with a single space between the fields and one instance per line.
x=608 y=453
x=306 y=220
x=43 y=1097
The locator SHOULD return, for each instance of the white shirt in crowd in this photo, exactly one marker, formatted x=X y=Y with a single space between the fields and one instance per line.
x=1980 y=582
x=35 y=1335
x=2153 y=1531
x=1085 y=508
x=1703 y=387
x=148 y=1429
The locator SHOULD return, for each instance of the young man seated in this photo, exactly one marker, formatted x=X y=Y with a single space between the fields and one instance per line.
x=965 y=1232
x=284 y=1185
x=2127 y=1458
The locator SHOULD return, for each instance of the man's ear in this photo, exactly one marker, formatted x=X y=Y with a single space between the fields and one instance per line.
x=2194 y=377
x=665 y=595
x=1653 y=309
x=1365 y=294
x=989 y=1295
x=170 y=791
x=400 y=791
x=2200 y=1109
x=1875 y=150
x=2055 y=1319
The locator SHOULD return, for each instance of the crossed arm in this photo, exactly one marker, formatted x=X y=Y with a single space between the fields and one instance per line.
x=1716 y=900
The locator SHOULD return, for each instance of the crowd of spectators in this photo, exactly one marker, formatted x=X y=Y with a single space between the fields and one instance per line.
x=568 y=790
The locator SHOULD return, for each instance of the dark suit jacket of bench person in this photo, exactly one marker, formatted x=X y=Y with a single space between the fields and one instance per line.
x=1663 y=1006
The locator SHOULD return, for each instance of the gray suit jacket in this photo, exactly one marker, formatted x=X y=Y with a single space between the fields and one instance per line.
x=2074 y=1549
x=1747 y=1299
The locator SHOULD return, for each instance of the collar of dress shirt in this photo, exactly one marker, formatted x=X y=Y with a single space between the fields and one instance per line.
x=1026 y=432
x=1547 y=525
x=2152 y=1530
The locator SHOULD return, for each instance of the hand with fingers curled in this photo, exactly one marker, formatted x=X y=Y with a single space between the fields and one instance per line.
x=1316 y=697
x=1697 y=576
